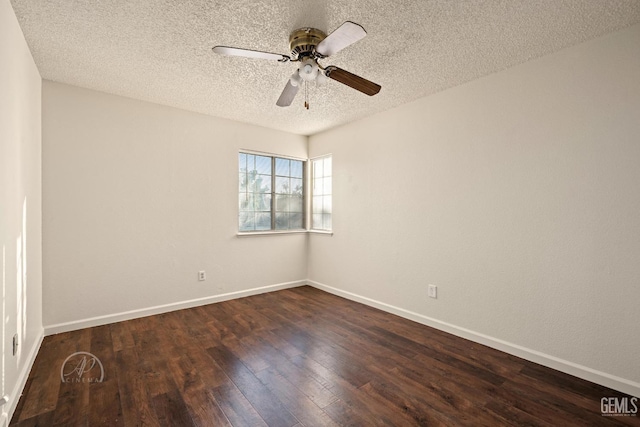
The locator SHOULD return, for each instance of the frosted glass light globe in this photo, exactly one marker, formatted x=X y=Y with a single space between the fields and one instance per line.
x=308 y=70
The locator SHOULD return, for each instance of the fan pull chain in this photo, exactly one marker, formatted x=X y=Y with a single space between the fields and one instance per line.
x=306 y=95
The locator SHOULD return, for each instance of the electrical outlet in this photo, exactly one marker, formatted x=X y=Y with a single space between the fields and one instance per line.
x=15 y=344
x=432 y=291
x=202 y=275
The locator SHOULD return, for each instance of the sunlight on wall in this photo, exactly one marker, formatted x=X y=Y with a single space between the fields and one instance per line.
x=5 y=319
x=22 y=299
x=21 y=304
x=18 y=286
x=21 y=282
x=8 y=329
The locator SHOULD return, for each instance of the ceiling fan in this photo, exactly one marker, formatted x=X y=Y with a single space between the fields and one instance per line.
x=308 y=45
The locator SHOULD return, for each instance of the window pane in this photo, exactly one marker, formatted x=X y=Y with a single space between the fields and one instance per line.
x=296 y=169
x=317 y=204
x=289 y=221
x=242 y=162
x=283 y=185
x=288 y=203
x=321 y=197
x=245 y=202
x=282 y=220
x=326 y=185
x=251 y=163
x=282 y=203
x=296 y=186
x=263 y=165
x=242 y=182
x=326 y=204
x=327 y=166
x=316 y=221
x=282 y=167
x=322 y=204
x=326 y=221
x=317 y=186
x=262 y=202
x=317 y=168
x=265 y=184
x=295 y=203
x=263 y=221
x=295 y=220
x=259 y=183
x=246 y=221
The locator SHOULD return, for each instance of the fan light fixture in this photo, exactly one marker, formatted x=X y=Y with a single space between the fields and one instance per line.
x=295 y=79
x=308 y=69
x=308 y=45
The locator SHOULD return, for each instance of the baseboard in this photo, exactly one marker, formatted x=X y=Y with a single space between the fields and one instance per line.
x=14 y=397
x=621 y=384
x=149 y=311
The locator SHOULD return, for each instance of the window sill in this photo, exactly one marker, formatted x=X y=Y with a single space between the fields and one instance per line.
x=278 y=232
x=268 y=233
x=325 y=232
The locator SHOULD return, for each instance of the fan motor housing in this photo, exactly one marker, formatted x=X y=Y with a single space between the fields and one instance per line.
x=303 y=41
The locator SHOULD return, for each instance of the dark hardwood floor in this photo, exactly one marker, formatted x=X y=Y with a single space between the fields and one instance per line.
x=298 y=357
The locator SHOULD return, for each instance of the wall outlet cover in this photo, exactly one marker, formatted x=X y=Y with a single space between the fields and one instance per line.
x=15 y=344
x=432 y=291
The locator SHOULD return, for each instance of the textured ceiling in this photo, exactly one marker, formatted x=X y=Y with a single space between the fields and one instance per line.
x=160 y=50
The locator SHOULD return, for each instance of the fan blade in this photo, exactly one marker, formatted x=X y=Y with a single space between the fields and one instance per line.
x=343 y=36
x=246 y=53
x=287 y=95
x=358 y=83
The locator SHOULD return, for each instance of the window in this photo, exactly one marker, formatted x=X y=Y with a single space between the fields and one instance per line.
x=321 y=194
x=271 y=193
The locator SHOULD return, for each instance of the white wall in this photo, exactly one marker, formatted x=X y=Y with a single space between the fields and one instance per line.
x=137 y=198
x=518 y=195
x=20 y=207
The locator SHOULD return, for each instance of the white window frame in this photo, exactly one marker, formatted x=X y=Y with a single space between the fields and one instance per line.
x=312 y=194
x=305 y=190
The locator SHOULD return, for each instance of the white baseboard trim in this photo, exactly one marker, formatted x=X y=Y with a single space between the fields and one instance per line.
x=14 y=397
x=621 y=384
x=149 y=311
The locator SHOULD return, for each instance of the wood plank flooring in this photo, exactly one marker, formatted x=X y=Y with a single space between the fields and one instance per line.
x=298 y=357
